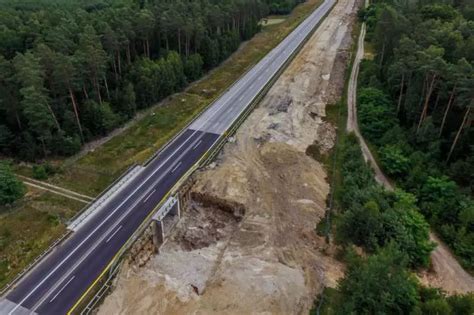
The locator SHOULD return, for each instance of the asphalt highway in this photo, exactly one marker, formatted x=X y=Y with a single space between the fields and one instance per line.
x=61 y=278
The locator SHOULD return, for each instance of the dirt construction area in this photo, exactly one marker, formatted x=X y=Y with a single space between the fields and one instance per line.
x=246 y=242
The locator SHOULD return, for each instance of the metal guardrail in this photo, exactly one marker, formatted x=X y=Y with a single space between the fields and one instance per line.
x=104 y=198
x=110 y=186
x=38 y=258
x=202 y=162
x=216 y=98
x=31 y=265
x=243 y=116
x=101 y=292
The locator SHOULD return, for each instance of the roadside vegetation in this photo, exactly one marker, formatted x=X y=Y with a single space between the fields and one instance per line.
x=36 y=220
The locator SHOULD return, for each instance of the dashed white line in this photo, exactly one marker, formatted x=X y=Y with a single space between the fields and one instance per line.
x=197 y=144
x=113 y=234
x=64 y=286
x=149 y=195
x=176 y=167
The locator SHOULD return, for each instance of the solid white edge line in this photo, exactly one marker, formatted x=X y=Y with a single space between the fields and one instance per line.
x=92 y=248
x=100 y=225
x=197 y=144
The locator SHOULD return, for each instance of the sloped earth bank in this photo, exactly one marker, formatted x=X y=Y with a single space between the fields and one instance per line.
x=247 y=242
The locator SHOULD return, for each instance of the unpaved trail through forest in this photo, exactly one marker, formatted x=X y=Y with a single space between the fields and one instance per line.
x=247 y=242
x=445 y=272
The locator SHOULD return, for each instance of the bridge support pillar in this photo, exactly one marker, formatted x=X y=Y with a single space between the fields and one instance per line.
x=158 y=234
x=164 y=220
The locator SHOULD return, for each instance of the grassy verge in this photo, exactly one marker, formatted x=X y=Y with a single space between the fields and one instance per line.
x=28 y=227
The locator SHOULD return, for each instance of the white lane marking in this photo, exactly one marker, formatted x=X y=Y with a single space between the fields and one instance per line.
x=149 y=195
x=122 y=217
x=251 y=74
x=64 y=286
x=113 y=234
x=115 y=210
x=99 y=226
x=312 y=21
x=176 y=167
x=197 y=144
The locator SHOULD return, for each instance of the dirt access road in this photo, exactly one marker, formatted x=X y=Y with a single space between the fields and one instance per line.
x=247 y=242
x=445 y=272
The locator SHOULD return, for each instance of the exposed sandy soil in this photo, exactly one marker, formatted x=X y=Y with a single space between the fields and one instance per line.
x=445 y=271
x=246 y=243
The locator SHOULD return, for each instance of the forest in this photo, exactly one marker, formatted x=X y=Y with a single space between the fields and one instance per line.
x=416 y=100
x=393 y=234
x=72 y=71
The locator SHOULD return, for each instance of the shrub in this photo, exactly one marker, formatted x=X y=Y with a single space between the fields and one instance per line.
x=39 y=172
x=376 y=113
x=379 y=284
x=394 y=162
x=11 y=189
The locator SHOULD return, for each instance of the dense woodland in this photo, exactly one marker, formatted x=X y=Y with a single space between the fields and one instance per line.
x=416 y=102
x=282 y=6
x=389 y=228
x=71 y=71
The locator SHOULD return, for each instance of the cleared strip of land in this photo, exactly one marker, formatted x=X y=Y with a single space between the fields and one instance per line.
x=55 y=192
x=55 y=189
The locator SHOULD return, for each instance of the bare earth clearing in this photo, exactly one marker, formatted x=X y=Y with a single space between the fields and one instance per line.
x=247 y=243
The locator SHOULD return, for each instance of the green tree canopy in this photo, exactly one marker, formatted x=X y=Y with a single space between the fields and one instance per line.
x=378 y=284
x=11 y=189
